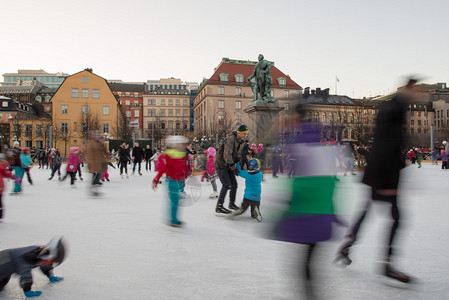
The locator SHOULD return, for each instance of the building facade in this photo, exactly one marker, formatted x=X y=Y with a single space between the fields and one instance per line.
x=84 y=104
x=221 y=99
x=51 y=80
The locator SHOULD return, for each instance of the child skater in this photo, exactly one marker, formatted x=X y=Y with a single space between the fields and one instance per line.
x=212 y=172
x=253 y=189
x=4 y=173
x=26 y=160
x=73 y=163
x=174 y=164
x=22 y=261
x=105 y=175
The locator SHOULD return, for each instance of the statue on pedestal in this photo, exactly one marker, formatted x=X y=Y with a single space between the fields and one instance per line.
x=262 y=86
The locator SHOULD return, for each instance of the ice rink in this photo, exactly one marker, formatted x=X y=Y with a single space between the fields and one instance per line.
x=120 y=247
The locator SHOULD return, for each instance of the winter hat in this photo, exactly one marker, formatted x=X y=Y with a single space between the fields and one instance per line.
x=442 y=151
x=253 y=164
x=73 y=149
x=174 y=140
x=260 y=145
x=253 y=145
x=26 y=150
x=242 y=129
x=211 y=151
x=54 y=250
x=16 y=143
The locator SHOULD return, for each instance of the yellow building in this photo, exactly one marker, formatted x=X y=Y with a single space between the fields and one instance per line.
x=83 y=104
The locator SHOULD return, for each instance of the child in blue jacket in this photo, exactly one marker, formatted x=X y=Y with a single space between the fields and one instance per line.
x=253 y=189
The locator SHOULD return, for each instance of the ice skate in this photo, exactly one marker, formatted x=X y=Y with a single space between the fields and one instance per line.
x=177 y=224
x=392 y=273
x=220 y=210
x=140 y=174
x=233 y=206
x=257 y=214
x=343 y=254
x=123 y=176
x=214 y=195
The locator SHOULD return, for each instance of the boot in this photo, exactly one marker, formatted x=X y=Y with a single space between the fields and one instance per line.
x=221 y=210
x=233 y=206
x=214 y=195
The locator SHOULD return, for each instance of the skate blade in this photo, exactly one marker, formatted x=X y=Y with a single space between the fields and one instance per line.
x=342 y=261
x=391 y=282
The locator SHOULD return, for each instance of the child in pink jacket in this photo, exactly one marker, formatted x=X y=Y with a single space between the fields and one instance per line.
x=5 y=172
x=211 y=172
x=73 y=163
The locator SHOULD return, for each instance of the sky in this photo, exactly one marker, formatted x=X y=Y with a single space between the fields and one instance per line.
x=371 y=46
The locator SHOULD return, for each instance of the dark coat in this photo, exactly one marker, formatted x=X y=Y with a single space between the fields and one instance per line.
x=385 y=159
x=148 y=154
x=138 y=154
x=228 y=153
x=20 y=261
x=123 y=154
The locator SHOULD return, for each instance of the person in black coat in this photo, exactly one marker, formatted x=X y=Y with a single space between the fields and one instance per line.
x=385 y=161
x=123 y=157
x=138 y=155
x=147 y=156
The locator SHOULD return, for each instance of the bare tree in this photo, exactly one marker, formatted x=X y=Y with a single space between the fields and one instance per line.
x=155 y=130
x=359 y=125
x=123 y=130
x=89 y=123
x=65 y=135
x=55 y=132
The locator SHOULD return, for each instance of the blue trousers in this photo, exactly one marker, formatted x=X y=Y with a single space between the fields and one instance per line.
x=18 y=175
x=174 y=189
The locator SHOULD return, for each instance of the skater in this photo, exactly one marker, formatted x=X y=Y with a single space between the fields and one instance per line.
x=202 y=165
x=124 y=158
x=225 y=163
x=276 y=161
x=147 y=156
x=348 y=157
x=137 y=155
x=27 y=162
x=173 y=163
x=55 y=164
x=73 y=163
x=41 y=157
x=253 y=189
x=419 y=156
x=433 y=157
x=212 y=172
x=4 y=173
x=155 y=158
x=105 y=175
x=443 y=158
x=16 y=164
x=382 y=175
x=22 y=261
x=96 y=157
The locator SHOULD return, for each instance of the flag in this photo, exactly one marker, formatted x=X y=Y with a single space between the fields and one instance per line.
x=336 y=79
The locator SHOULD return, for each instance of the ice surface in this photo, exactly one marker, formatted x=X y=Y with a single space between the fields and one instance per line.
x=120 y=247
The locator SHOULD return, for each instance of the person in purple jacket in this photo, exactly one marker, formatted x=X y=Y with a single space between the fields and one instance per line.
x=443 y=157
x=73 y=163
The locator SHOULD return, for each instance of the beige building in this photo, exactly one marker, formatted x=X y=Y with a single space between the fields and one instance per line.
x=221 y=99
x=166 y=109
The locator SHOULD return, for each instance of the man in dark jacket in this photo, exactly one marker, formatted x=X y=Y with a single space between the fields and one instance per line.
x=123 y=157
x=137 y=157
x=148 y=154
x=382 y=173
x=22 y=260
x=226 y=164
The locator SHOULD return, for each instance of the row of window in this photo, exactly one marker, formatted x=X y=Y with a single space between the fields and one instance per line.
x=84 y=127
x=168 y=125
x=238 y=92
x=185 y=102
x=224 y=77
x=441 y=113
x=84 y=109
x=152 y=87
x=162 y=113
x=85 y=93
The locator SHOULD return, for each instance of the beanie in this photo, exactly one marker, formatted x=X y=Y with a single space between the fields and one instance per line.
x=242 y=129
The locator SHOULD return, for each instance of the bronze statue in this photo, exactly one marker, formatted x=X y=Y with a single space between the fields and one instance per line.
x=262 y=86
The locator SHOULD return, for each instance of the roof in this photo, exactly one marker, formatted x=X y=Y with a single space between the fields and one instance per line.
x=23 y=89
x=127 y=87
x=246 y=68
x=328 y=99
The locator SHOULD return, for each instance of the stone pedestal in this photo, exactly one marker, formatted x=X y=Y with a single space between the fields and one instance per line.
x=263 y=123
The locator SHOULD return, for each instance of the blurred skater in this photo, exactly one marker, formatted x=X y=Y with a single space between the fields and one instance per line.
x=73 y=163
x=5 y=172
x=27 y=162
x=96 y=157
x=212 y=172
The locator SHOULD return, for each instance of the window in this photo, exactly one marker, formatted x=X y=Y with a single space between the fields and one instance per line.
x=185 y=112
x=84 y=127
x=128 y=114
x=85 y=93
x=39 y=131
x=96 y=93
x=64 y=127
x=29 y=130
x=84 y=109
x=163 y=125
x=238 y=119
x=412 y=122
x=106 y=110
x=47 y=98
x=162 y=101
x=178 y=102
x=105 y=127
x=185 y=102
x=285 y=94
x=162 y=113
x=170 y=112
x=64 y=109
x=127 y=102
x=178 y=125
x=184 y=125
x=170 y=101
x=5 y=104
x=75 y=93
x=151 y=112
x=419 y=122
x=38 y=98
x=224 y=77
x=239 y=78
x=85 y=79
x=286 y=106
x=128 y=93
x=136 y=94
x=28 y=144
x=220 y=90
x=238 y=91
x=170 y=124
x=178 y=112
x=281 y=81
x=220 y=103
x=136 y=113
x=238 y=104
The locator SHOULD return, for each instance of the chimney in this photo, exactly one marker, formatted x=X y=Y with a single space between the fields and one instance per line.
x=313 y=92
x=318 y=91
x=306 y=92
x=326 y=92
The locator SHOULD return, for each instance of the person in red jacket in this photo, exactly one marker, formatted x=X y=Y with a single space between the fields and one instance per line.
x=5 y=172
x=173 y=163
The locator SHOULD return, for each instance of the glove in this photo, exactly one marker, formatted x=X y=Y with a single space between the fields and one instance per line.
x=54 y=279
x=30 y=294
x=155 y=182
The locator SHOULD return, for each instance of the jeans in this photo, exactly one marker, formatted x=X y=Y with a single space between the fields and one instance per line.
x=229 y=182
x=96 y=178
x=148 y=164
x=134 y=166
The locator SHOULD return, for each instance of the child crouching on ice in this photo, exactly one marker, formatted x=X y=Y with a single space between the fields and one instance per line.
x=253 y=189
x=173 y=162
x=22 y=261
